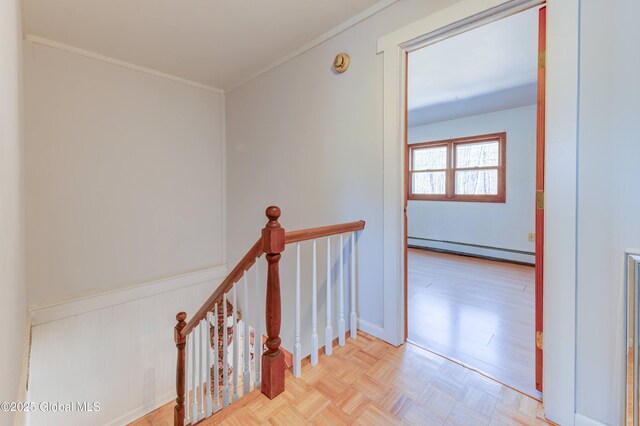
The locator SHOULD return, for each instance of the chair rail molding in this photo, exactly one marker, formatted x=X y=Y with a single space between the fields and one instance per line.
x=57 y=311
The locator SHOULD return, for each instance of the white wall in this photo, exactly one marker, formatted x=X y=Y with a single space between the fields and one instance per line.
x=299 y=110
x=310 y=141
x=13 y=313
x=124 y=176
x=125 y=185
x=502 y=225
x=608 y=198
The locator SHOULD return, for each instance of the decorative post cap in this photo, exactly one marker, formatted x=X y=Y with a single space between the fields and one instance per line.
x=273 y=233
x=273 y=213
x=177 y=336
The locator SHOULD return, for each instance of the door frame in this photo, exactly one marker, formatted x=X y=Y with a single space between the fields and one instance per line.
x=539 y=207
x=539 y=177
x=561 y=175
x=539 y=189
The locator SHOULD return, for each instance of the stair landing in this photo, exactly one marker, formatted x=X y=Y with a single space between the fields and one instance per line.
x=370 y=382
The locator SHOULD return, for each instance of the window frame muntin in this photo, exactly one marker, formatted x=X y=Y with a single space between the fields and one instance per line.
x=450 y=171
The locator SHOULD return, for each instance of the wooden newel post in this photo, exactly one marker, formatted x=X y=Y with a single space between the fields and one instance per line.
x=178 y=412
x=273 y=364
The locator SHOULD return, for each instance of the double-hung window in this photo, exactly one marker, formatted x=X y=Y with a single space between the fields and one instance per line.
x=462 y=169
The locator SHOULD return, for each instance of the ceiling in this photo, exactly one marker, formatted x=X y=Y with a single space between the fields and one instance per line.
x=487 y=69
x=219 y=43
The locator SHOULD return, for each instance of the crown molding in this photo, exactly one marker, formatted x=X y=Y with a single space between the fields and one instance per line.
x=379 y=6
x=77 y=51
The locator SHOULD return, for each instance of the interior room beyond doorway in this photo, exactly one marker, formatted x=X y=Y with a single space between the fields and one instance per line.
x=471 y=194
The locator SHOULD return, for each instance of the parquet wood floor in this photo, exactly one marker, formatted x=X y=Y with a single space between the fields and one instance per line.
x=369 y=382
x=476 y=311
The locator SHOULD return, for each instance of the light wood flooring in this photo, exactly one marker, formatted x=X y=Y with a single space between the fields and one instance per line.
x=369 y=382
x=476 y=311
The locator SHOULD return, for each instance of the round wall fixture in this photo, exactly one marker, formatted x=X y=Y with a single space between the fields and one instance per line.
x=341 y=62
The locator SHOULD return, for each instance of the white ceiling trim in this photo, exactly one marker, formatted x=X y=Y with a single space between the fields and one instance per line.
x=71 y=49
x=483 y=12
x=381 y=5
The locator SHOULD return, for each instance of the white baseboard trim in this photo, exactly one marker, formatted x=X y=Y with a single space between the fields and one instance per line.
x=370 y=328
x=142 y=411
x=45 y=314
x=581 y=420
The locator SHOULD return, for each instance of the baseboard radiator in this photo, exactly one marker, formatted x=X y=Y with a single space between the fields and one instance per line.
x=476 y=250
x=632 y=280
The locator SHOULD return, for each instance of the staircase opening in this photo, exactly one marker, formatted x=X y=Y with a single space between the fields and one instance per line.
x=232 y=346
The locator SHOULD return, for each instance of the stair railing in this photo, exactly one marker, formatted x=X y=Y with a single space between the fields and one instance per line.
x=203 y=341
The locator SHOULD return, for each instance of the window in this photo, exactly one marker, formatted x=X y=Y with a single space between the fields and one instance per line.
x=463 y=169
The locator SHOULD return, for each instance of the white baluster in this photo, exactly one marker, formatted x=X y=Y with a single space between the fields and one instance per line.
x=341 y=328
x=187 y=382
x=353 y=323
x=207 y=343
x=297 y=349
x=216 y=358
x=314 y=309
x=200 y=365
x=246 y=374
x=257 y=332
x=236 y=351
x=194 y=399
x=225 y=356
x=328 y=332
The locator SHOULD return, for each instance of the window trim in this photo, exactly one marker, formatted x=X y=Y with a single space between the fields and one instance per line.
x=450 y=171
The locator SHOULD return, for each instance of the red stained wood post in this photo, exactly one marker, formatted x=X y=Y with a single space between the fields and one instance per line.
x=178 y=412
x=540 y=148
x=273 y=364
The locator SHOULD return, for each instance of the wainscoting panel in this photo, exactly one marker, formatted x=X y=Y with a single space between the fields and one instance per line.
x=120 y=355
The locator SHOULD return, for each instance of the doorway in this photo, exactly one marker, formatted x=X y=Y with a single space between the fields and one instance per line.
x=474 y=198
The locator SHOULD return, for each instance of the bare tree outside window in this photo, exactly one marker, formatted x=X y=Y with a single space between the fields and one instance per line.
x=430 y=165
x=476 y=155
